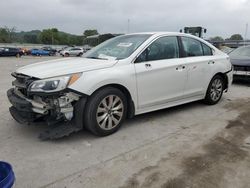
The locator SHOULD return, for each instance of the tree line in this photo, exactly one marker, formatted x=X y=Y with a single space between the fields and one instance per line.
x=55 y=37
x=221 y=39
x=50 y=36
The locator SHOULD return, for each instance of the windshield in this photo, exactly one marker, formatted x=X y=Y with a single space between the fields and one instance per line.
x=117 y=48
x=241 y=53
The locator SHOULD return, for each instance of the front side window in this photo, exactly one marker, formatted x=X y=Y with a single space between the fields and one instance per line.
x=191 y=47
x=162 y=48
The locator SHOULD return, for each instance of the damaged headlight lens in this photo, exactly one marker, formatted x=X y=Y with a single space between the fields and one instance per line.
x=53 y=84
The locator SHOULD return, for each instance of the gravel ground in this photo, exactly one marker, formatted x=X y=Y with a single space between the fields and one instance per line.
x=192 y=145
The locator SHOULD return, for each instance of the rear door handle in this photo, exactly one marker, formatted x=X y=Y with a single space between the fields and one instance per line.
x=211 y=62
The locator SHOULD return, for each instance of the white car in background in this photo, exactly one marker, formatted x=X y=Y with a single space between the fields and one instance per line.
x=72 y=51
x=122 y=77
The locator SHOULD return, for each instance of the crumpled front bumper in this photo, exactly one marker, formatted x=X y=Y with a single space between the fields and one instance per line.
x=24 y=110
x=21 y=109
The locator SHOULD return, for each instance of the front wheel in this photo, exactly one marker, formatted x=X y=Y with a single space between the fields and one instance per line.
x=215 y=90
x=105 y=111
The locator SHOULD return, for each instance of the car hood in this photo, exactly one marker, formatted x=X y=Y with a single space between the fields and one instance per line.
x=64 y=66
x=240 y=62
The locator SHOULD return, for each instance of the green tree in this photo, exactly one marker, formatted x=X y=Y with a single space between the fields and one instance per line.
x=7 y=34
x=4 y=36
x=11 y=32
x=217 y=39
x=90 y=32
x=236 y=37
x=30 y=38
x=49 y=36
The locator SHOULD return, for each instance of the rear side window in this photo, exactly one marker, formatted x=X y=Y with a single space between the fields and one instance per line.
x=207 y=51
x=192 y=47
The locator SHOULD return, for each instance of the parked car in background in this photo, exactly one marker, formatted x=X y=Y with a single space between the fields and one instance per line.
x=226 y=49
x=86 y=48
x=26 y=51
x=9 y=51
x=63 y=48
x=240 y=59
x=41 y=52
x=122 y=77
x=72 y=51
x=51 y=50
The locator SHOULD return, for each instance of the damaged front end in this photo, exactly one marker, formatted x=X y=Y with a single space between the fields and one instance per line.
x=50 y=100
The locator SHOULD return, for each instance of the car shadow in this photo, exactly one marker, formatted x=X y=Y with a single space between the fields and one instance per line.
x=135 y=121
x=84 y=135
x=242 y=82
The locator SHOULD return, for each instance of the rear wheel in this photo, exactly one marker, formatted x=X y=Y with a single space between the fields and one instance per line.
x=105 y=111
x=215 y=90
x=66 y=55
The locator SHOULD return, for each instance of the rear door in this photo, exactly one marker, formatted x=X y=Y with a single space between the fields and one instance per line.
x=199 y=61
x=161 y=74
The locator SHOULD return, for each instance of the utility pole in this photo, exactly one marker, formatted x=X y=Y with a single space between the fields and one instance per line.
x=246 y=34
x=52 y=38
x=128 y=25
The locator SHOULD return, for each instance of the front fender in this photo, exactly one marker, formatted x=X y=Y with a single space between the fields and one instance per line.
x=123 y=75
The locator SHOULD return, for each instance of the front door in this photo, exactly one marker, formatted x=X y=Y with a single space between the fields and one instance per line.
x=161 y=74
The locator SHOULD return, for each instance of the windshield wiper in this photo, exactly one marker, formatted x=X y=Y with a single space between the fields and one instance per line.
x=92 y=57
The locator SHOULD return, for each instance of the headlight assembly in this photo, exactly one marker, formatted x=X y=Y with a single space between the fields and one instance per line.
x=53 y=84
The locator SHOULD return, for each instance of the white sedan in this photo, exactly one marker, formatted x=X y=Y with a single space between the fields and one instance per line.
x=122 y=77
x=72 y=51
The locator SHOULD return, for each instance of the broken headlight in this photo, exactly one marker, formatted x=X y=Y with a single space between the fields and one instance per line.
x=53 y=84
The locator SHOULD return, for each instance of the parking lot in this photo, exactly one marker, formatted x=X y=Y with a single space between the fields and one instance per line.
x=192 y=145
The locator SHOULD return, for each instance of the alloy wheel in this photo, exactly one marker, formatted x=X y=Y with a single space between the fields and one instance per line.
x=109 y=112
x=216 y=89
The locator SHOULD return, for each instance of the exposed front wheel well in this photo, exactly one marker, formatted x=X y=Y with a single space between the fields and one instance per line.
x=124 y=90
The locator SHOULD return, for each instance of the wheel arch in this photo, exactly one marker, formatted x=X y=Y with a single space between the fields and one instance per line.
x=124 y=90
x=225 y=78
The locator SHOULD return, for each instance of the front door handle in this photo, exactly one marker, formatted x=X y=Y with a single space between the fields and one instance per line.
x=179 y=68
x=148 y=65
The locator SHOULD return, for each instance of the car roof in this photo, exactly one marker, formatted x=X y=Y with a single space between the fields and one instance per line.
x=158 y=33
x=161 y=33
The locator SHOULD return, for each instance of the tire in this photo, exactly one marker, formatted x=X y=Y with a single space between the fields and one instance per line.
x=110 y=116
x=80 y=54
x=66 y=55
x=215 y=90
